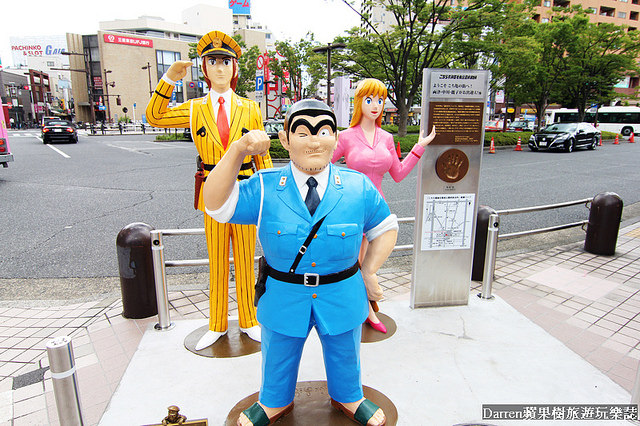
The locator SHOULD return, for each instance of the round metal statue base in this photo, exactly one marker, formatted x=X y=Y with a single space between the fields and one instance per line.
x=370 y=335
x=313 y=406
x=233 y=344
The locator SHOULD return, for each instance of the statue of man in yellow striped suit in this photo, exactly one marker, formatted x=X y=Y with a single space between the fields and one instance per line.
x=216 y=121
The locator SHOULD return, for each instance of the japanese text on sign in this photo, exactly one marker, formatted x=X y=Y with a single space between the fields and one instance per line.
x=132 y=41
x=456 y=84
x=457 y=123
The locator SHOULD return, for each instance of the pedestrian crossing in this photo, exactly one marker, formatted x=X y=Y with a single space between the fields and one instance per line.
x=33 y=134
x=23 y=134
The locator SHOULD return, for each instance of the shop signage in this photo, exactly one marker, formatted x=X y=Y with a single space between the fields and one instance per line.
x=240 y=7
x=131 y=41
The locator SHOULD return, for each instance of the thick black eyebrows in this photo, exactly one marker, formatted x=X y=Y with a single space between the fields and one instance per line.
x=313 y=129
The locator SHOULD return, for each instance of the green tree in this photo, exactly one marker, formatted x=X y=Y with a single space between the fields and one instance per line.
x=301 y=64
x=599 y=56
x=425 y=34
x=531 y=61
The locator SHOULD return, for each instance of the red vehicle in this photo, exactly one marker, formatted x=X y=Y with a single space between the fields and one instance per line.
x=5 y=152
x=494 y=126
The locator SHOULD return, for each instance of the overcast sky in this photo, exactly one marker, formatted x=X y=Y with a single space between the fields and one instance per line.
x=286 y=19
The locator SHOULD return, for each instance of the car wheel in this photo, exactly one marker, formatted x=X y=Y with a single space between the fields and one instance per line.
x=626 y=131
x=594 y=143
x=569 y=145
x=532 y=148
x=44 y=141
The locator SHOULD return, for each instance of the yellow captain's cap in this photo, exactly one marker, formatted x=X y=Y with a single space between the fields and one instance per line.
x=218 y=43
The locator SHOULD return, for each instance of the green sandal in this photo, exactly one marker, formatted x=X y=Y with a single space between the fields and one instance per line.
x=363 y=414
x=258 y=417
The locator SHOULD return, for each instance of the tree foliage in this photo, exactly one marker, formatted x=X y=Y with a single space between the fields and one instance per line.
x=568 y=60
x=425 y=34
x=300 y=63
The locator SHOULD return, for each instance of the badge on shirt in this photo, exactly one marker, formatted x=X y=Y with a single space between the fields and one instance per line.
x=336 y=179
x=283 y=180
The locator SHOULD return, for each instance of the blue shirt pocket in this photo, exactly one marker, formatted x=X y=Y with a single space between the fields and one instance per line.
x=344 y=240
x=282 y=240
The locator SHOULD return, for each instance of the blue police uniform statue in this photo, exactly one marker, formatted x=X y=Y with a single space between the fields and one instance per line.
x=350 y=205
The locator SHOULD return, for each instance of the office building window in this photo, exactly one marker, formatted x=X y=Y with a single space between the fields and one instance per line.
x=622 y=15
x=165 y=58
x=546 y=3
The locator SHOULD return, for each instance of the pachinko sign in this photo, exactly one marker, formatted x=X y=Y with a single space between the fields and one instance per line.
x=131 y=41
x=23 y=48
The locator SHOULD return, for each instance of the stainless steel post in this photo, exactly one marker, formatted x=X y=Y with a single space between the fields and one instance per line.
x=635 y=393
x=160 y=279
x=65 y=380
x=490 y=256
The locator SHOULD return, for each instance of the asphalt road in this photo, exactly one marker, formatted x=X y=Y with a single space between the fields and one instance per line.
x=63 y=205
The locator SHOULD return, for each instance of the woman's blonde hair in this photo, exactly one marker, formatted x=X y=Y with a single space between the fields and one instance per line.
x=367 y=87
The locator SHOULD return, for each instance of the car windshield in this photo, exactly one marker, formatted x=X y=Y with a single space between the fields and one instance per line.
x=58 y=123
x=560 y=127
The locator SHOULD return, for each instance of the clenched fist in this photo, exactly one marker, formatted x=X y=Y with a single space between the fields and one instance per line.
x=254 y=142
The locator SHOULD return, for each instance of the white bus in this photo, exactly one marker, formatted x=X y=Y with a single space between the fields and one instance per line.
x=620 y=119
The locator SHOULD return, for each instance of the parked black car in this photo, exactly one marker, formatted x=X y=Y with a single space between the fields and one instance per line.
x=272 y=127
x=565 y=137
x=59 y=131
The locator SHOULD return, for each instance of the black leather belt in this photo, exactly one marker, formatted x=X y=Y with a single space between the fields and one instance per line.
x=245 y=166
x=311 y=279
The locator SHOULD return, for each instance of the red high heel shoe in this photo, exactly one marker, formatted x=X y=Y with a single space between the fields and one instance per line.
x=377 y=326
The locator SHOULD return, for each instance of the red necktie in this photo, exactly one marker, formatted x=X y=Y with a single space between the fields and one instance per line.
x=223 y=123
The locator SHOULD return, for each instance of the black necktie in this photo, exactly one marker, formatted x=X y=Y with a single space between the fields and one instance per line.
x=312 y=200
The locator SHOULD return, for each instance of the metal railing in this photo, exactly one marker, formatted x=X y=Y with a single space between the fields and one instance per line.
x=160 y=264
x=584 y=201
x=493 y=236
x=130 y=128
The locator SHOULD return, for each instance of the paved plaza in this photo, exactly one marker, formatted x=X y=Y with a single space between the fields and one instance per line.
x=579 y=303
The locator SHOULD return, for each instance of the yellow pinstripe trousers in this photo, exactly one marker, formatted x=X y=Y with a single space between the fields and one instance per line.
x=243 y=241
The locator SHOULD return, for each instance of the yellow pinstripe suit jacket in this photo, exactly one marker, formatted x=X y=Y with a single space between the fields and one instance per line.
x=198 y=115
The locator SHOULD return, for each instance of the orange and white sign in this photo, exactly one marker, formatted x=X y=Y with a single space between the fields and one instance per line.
x=131 y=41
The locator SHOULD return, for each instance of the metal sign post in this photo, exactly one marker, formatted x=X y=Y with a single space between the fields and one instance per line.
x=447 y=191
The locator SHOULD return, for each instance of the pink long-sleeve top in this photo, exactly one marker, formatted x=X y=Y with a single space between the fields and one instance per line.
x=377 y=159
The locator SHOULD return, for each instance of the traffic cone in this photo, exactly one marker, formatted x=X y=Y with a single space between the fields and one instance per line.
x=398 y=152
x=600 y=141
x=616 y=142
x=632 y=139
x=519 y=144
x=492 y=147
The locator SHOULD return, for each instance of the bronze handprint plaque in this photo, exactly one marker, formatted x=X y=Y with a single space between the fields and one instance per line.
x=452 y=165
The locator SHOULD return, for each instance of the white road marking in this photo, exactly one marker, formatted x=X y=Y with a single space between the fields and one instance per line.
x=58 y=151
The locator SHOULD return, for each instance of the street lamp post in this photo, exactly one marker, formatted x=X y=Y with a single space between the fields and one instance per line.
x=148 y=68
x=89 y=83
x=106 y=85
x=328 y=48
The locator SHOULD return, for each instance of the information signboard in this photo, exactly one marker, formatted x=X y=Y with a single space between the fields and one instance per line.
x=446 y=205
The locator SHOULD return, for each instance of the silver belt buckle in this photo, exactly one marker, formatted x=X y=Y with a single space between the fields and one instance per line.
x=316 y=278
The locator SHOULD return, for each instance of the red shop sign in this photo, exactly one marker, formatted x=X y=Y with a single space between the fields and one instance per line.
x=131 y=41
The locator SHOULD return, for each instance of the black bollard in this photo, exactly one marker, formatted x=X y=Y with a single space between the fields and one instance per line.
x=136 y=271
x=604 y=224
x=480 y=246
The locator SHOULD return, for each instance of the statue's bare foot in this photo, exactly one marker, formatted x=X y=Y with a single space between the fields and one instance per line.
x=259 y=414
x=362 y=411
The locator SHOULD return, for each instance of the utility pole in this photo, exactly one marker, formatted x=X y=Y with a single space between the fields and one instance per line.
x=328 y=48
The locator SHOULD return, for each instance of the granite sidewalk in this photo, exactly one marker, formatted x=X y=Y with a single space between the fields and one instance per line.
x=590 y=303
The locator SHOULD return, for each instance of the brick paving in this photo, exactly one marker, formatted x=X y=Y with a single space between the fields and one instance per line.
x=590 y=303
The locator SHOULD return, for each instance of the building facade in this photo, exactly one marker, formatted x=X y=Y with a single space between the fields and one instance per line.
x=119 y=66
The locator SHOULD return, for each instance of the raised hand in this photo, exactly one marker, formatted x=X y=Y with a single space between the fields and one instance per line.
x=426 y=141
x=178 y=70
